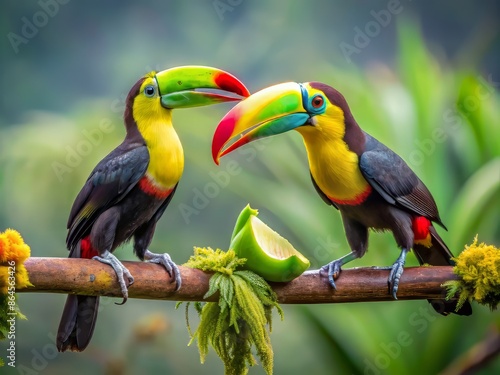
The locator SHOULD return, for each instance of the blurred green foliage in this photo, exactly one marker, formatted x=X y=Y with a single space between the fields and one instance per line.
x=61 y=113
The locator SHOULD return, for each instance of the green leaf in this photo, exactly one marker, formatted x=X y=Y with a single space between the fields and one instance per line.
x=475 y=197
x=237 y=322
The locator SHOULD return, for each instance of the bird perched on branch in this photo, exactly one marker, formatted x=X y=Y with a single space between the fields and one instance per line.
x=128 y=191
x=368 y=183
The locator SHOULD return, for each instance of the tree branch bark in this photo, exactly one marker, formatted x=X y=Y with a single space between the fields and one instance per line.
x=89 y=277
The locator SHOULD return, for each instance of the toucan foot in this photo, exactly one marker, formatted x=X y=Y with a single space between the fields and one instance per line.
x=120 y=270
x=167 y=262
x=333 y=271
x=396 y=272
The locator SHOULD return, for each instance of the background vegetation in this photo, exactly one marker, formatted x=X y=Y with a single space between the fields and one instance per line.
x=424 y=82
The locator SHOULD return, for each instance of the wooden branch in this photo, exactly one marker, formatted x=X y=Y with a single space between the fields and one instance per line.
x=89 y=277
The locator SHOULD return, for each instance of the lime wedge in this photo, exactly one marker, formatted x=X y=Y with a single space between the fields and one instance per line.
x=268 y=254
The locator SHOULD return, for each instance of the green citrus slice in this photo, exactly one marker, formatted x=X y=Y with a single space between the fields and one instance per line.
x=268 y=254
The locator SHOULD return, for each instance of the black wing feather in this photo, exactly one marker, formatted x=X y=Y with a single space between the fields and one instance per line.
x=393 y=179
x=108 y=183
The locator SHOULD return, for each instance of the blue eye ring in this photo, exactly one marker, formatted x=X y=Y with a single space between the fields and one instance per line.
x=149 y=91
x=317 y=103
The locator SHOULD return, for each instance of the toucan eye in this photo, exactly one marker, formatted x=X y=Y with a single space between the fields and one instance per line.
x=149 y=91
x=317 y=101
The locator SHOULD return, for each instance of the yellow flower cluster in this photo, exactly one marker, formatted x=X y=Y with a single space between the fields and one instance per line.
x=478 y=267
x=13 y=253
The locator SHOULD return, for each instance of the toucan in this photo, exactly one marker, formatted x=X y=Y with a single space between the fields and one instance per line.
x=128 y=191
x=370 y=185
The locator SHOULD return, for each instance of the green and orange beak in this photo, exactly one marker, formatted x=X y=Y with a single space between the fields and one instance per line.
x=273 y=110
x=179 y=86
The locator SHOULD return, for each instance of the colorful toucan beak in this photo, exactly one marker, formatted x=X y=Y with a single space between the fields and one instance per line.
x=273 y=110
x=178 y=86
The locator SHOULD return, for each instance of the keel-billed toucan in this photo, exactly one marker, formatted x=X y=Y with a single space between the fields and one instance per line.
x=368 y=183
x=128 y=191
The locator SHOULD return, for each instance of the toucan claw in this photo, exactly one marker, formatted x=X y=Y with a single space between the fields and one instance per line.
x=333 y=271
x=167 y=262
x=120 y=270
x=396 y=273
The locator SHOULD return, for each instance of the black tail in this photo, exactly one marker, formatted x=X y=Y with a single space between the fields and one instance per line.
x=439 y=255
x=77 y=320
x=77 y=323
